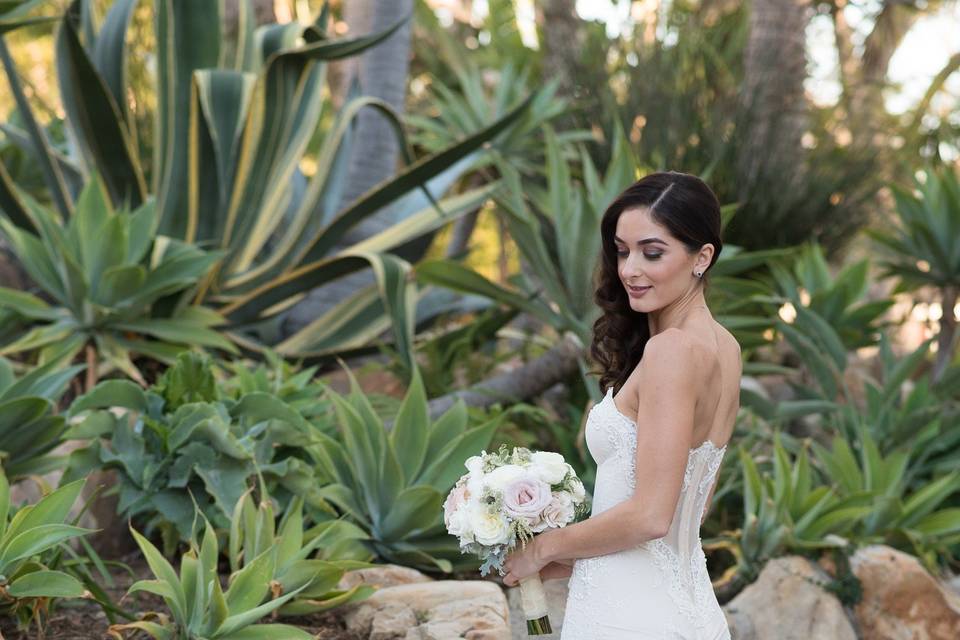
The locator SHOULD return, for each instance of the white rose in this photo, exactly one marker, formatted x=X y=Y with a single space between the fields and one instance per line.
x=548 y=466
x=488 y=528
x=503 y=476
x=558 y=513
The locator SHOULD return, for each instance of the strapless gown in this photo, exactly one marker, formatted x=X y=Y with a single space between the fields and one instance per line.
x=659 y=590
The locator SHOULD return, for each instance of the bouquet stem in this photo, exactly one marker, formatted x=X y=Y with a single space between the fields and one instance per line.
x=534 y=603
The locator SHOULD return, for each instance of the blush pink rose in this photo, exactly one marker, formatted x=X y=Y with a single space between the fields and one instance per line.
x=526 y=498
x=457 y=496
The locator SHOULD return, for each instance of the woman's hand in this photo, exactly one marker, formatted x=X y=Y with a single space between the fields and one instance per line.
x=555 y=570
x=523 y=562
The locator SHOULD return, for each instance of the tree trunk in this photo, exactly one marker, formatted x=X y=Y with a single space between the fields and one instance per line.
x=527 y=381
x=560 y=27
x=946 y=340
x=773 y=97
x=381 y=72
x=262 y=13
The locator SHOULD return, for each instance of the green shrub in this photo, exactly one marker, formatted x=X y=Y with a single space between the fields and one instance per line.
x=183 y=439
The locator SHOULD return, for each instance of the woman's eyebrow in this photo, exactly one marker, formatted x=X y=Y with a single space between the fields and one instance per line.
x=641 y=242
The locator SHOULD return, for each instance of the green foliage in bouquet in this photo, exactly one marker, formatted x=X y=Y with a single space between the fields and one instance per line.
x=200 y=608
x=29 y=426
x=29 y=537
x=107 y=272
x=392 y=484
x=333 y=545
x=183 y=439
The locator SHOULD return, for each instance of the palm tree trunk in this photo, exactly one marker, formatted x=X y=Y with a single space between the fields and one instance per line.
x=773 y=97
x=948 y=331
x=560 y=27
x=381 y=72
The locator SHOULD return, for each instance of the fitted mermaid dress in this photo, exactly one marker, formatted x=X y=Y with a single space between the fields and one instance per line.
x=659 y=590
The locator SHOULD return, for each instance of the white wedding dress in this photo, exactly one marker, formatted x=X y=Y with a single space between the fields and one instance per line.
x=659 y=590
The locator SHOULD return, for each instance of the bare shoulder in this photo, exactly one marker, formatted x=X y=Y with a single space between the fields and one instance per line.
x=674 y=349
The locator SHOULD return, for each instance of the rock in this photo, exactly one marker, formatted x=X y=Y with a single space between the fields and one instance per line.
x=392 y=621
x=435 y=609
x=787 y=603
x=901 y=599
x=953 y=583
x=388 y=575
x=556 y=592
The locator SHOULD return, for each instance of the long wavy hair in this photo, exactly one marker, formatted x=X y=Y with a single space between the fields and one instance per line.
x=690 y=211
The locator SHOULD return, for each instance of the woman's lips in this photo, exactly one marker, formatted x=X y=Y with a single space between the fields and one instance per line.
x=636 y=292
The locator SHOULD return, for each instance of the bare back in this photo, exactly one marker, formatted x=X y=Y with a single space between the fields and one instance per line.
x=718 y=399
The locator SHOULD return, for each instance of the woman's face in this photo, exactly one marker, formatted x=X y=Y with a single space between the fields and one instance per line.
x=654 y=267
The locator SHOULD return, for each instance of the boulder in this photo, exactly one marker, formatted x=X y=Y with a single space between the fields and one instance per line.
x=787 y=602
x=901 y=599
x=475 y=609
x=388 y=575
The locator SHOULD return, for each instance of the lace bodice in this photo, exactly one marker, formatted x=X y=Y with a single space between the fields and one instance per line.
x=660 y=589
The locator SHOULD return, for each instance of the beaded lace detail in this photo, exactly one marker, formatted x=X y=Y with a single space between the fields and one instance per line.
x=604 y=589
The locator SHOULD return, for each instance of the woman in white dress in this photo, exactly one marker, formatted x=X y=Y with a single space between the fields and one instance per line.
x=672 y=379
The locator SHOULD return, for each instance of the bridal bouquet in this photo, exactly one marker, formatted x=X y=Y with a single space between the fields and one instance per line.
x=509 y=496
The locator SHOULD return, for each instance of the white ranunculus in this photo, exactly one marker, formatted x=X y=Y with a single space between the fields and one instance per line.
x=488 y=528
x=458 y=524
x=503 y=476
x=474 y=465
x=548 y=466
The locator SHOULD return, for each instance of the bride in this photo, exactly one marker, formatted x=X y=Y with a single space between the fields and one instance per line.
x=672 y=378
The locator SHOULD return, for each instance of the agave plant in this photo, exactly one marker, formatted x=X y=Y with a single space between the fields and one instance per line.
x=917 y=420
x=234 y=120
x=838 y=300
x=181 y=441
x=924 y=248
x=253 y=531
x=107 y=274
x=790 y=509
x=915 y=520
x=28 y=537
x=392 y=484
x=200 y=609
x=29 y=426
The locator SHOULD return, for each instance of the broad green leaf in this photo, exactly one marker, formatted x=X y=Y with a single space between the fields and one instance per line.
x=46 y=584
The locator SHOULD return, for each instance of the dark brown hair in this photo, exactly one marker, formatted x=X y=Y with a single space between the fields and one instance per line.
x=690 y=211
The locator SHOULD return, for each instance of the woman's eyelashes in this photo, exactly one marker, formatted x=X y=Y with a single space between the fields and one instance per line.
x=648 y=256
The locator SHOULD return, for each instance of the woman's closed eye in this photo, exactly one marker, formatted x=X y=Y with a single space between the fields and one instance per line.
x=648 y=256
